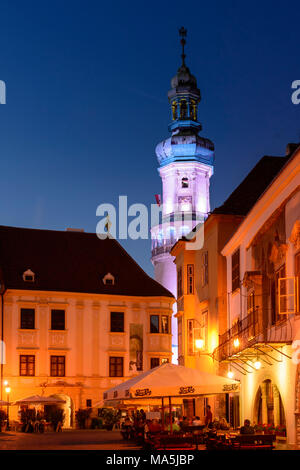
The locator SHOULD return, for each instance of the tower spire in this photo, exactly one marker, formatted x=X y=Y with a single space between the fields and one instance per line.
x=182 y=34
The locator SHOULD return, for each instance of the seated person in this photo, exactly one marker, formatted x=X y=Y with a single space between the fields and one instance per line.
x=175 y=427
x=154 y=426
x=223 y=424
x=197 y=421
x=247 y=429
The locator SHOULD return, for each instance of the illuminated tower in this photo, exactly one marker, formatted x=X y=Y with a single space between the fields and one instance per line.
x=185 y=166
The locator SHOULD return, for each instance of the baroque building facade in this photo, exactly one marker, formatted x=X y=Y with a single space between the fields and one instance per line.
x=78 y=317
x=260 y=346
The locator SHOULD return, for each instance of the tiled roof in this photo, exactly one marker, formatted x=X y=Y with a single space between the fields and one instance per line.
x=71 y=262
x=243 y=198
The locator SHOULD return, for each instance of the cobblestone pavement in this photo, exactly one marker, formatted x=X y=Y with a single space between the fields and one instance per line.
x=66 y=440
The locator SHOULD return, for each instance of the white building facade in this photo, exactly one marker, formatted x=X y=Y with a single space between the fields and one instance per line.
x=185 y=167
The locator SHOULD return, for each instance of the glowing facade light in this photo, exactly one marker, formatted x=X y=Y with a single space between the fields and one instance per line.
x=236 y=343
x=230 y=374
x=257 y=364
x=199 y=343
x=5 y=383
x=7 y=390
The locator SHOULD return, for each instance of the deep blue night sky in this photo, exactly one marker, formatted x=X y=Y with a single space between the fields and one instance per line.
x=87 y=86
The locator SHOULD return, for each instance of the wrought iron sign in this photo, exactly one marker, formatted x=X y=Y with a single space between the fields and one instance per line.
x=230 y=387
x=185 y=390
x=143 y=392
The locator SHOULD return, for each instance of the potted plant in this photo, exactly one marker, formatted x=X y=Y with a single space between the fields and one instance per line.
x=110 y=417
x=280 y=431
x=269 y=428
x=258 y=428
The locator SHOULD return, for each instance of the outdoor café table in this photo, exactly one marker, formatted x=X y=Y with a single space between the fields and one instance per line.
x=197 y=433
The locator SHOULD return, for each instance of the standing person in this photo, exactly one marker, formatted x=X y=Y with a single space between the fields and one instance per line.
x=208 y=417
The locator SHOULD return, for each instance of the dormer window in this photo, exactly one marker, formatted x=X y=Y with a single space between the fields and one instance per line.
x=108 y=279
x=185 y=183
x=28 y=276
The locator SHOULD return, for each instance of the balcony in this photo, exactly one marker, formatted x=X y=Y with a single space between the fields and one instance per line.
x=253 y=337
x=159 y=250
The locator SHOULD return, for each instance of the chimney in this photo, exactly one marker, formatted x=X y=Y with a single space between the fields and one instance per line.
x=291 y=148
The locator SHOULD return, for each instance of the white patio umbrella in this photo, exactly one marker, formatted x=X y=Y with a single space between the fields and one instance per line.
x=170 y=380
x=39 y=400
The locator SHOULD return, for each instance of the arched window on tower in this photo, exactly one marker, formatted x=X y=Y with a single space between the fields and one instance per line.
x=185 y=183
x=174 y=110
x=183 y=109
x=193 y=110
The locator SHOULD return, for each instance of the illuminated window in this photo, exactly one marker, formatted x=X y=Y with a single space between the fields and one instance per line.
x=116 y=366
x=174 y=110
x=190 y=278
x=165 y=360
x=165 y=324
x=57 y=366
x=27 y=365
x=235 y=270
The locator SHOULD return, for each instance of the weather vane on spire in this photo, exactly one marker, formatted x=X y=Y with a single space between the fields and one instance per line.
x=182 y=34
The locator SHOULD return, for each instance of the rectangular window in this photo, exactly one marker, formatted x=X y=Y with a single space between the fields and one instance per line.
x=27 y=365
x=57 y=319
x=204 y=269
x=204 y=328
x=154 y=324
x=57 y=366
x=89 y=403
x=297 y=275
x=235 y=270
x=116 y=366
x=27 y=318
x=179 y=283
x=165 y=360
x=190 y=278
x=251 y=315
x=154 y=362
x=274 y=296
x=165 y=324
x=179 y=330
x=190 y=337
x=117 y=322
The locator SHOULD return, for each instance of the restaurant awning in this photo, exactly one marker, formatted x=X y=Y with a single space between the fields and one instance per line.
x=171 y=380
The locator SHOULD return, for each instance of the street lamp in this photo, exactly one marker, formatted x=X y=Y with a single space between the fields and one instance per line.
x=7 y=389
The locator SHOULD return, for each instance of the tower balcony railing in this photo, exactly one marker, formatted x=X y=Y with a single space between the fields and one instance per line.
x=251 y=335
x=159 y=250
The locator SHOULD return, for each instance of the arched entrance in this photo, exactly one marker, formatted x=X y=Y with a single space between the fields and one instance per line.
x=68 y=408
x=268 y=407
